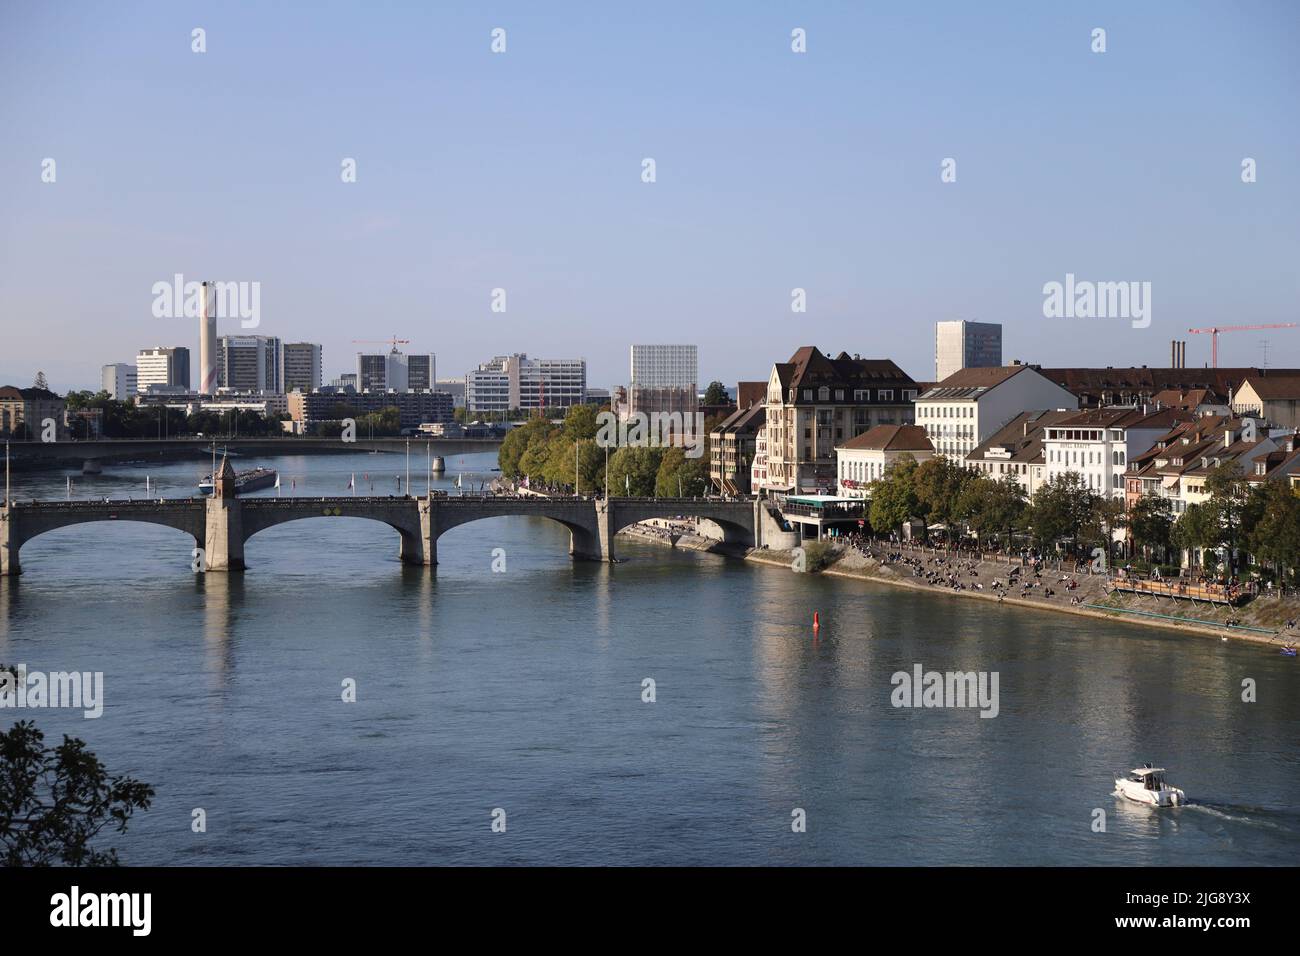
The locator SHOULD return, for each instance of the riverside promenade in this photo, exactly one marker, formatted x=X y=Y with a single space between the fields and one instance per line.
x=1266 y=619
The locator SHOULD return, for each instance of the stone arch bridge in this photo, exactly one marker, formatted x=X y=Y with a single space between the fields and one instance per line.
x=221 y=526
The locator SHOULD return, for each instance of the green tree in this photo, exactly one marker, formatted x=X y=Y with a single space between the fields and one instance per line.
x=893 y=497
x=580 y=423
x=634 y=471
x=680 y=475
x=939 y=483
x=1196 y=528
x=1062 y=508
x=716 y=394
x=517 y=441
x=1275 y=536
x=54 y=801
x=1151 y=524
x=1229 y=493
x=991 y=507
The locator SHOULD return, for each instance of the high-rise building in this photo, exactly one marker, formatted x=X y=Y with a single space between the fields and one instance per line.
x=515 y=381
x=249 y=363
x=119 y=380
x=960 y=344
x=664 y=378
x=300 y=366
x=396 y=372
x=163 y=369
x=420 y=371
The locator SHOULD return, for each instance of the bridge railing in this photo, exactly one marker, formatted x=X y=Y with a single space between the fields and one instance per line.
x=101 y=504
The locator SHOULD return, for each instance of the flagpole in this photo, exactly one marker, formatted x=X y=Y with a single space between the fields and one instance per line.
x=428 y=475
x=408 y=466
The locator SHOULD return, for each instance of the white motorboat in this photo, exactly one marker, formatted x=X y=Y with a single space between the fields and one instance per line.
x=1147 y=785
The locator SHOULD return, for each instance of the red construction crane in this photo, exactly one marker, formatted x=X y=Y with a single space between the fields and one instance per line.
x=1214 y=331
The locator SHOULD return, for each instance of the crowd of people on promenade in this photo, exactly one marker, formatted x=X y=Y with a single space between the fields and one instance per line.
x=960 y=573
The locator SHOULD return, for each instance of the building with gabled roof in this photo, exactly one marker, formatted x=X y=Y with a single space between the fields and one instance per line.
x=1097 y=444
x=1016 y=449
x=815 y=402
x=967 y=407
x=866 y=458
x=1271 y=394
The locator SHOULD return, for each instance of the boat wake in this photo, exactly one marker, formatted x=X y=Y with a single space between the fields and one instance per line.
x=1255 y=816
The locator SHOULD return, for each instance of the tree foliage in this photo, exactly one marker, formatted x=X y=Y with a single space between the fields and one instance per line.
x=54 y=801
x=716 y=394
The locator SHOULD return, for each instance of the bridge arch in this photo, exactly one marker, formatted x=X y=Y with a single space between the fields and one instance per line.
x=24 y=523
x=576 y=516
x=400 y=514
x=736 y=524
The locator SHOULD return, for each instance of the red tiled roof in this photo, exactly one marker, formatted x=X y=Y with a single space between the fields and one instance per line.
x=891 y=438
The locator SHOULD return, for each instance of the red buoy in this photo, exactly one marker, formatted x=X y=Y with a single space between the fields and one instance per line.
x=816 y=621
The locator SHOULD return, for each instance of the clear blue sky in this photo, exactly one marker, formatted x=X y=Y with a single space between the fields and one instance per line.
x=522 y=171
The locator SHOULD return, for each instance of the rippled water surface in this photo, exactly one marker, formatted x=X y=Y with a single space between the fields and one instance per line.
x=522 y=690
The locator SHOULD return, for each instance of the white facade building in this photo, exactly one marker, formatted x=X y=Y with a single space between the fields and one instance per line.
x=1099 y=444
x=865 y=459
x=966 y=408
x=119 y=380
x=162 y=369
x=510 y=382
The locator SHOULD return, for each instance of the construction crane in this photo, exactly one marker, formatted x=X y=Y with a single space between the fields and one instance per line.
x=1214 y=331
x=394 y=341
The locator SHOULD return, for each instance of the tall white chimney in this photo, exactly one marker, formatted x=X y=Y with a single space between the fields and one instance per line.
x=207 y=341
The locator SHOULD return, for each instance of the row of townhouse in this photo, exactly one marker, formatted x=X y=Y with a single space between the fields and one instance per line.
x=833 y=425
x=1179 y=461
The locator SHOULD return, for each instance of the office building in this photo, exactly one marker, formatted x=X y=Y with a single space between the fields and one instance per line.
x=664 y=378
x=329 y=404
x=301 y=365
x=249 y=363
x=960 y=344
x=163 y=369
x=119 y=380
x=395 y=371
x=510 y=382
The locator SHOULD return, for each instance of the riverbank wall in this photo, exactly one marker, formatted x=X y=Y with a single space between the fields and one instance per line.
x=1256 y=617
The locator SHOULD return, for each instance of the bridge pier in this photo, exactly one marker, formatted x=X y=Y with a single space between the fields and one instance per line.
x=223 y=543
x=9 y=545
x=422 y=548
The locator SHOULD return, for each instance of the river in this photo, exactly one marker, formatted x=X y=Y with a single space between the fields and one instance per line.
x=522 y=690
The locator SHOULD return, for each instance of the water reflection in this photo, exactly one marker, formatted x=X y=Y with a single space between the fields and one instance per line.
x=221 y=597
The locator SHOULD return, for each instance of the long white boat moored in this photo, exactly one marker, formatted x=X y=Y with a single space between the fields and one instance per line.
x=1147 y=784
